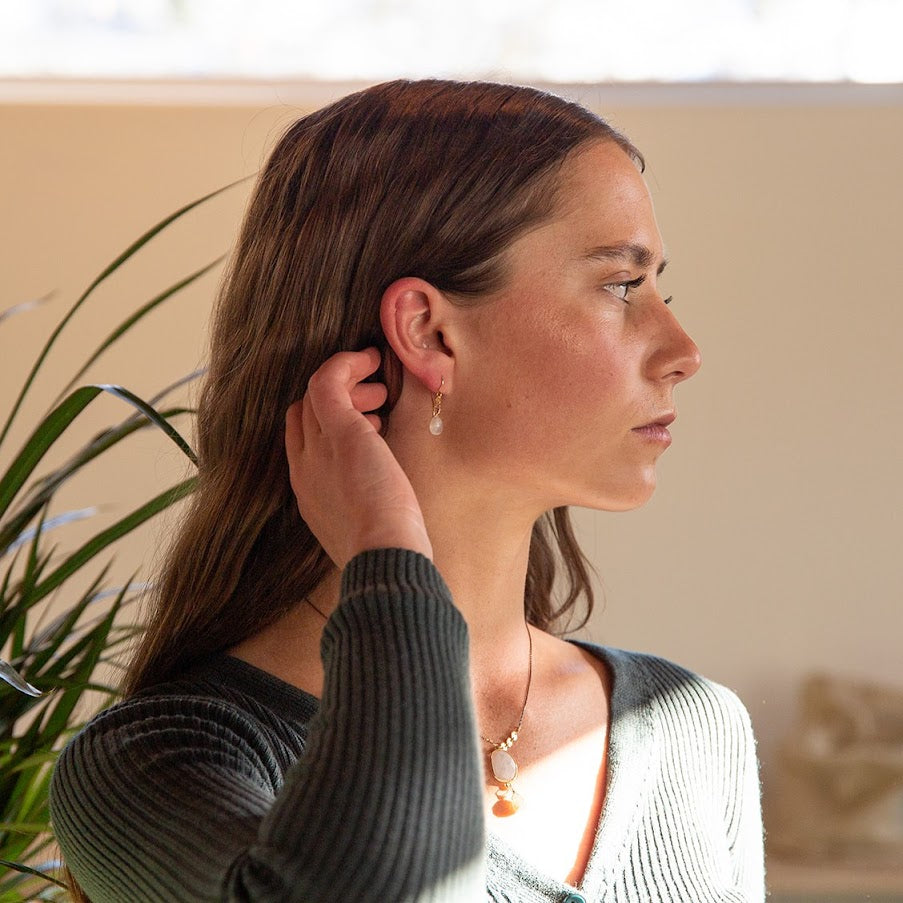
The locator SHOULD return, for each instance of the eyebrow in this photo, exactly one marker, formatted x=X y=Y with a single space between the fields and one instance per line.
x=639 y=255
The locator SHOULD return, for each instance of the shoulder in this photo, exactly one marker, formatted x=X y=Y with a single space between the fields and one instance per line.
x=667 y=692
x=200 y=724
x=144 y=718
x=685 y=745
x=161 y=771
x=176 y=755
x=143 y=738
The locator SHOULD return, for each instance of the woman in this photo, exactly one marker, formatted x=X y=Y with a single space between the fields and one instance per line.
x=351 y=687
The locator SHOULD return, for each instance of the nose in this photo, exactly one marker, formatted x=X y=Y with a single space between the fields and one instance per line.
x=676 y=356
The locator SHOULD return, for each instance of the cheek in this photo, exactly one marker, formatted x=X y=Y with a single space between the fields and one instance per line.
x=549 y=362
x=582 y=361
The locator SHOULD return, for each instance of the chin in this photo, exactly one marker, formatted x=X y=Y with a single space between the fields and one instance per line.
x=626 y=494
x=627 y=499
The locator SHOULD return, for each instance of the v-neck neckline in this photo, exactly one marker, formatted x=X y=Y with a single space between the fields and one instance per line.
x=631 y=744
x=630 y=754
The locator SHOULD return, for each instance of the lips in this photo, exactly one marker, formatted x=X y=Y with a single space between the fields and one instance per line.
x=657 y=430
x=663 y=420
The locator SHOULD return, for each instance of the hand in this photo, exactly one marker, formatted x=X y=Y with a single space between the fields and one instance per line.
x=351 y=490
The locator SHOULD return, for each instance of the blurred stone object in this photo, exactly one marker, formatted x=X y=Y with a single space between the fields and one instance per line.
x=840 y=787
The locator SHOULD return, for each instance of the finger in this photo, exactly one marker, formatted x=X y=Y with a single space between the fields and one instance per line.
x=330 y=387
x=309 y=420
x=369 y=396
x=294 y=433
x=374 y=420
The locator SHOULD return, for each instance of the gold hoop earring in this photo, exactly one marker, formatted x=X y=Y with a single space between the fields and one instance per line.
x=436 y=420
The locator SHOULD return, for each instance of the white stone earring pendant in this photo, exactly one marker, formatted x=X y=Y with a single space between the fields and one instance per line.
x=436 y=419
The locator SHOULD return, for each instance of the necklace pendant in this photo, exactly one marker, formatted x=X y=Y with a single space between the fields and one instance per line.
x=508 y=801
x=501 y=762
x=504 y=768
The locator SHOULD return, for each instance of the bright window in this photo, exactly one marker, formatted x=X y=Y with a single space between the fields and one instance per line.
x=544 y=40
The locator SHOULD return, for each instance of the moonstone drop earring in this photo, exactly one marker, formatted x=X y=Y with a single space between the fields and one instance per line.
x=436 y=419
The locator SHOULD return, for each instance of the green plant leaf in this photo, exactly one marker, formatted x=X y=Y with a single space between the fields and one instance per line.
x=41 y=491
x=15 y=680
x=24 y=306
x=28 y=870
x=107 y=438
x=91 y=548
x=58 y=652
x=130 y=321
x=54 y=666
x=45 y=634
x=150 y=412
x=5 y=586
x=65 y=634
x=59 y=718
x=41 y=758
x=67 y=517
x=35 y=563
x=55 y=423
x=111 y=268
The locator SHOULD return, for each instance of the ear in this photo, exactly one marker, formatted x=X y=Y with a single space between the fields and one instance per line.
x=415 y=317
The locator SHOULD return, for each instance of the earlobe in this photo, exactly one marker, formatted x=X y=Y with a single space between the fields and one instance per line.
x=411 y=313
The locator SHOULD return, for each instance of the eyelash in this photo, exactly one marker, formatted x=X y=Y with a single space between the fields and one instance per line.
x=629 y=287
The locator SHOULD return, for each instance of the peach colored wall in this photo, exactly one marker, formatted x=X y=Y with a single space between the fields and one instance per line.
x=772 y=546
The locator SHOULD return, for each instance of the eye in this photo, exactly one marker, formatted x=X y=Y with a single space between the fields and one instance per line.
x=621 y=289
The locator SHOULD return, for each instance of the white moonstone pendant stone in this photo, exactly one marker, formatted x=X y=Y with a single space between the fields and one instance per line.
x=436 y=425
x=504 y=768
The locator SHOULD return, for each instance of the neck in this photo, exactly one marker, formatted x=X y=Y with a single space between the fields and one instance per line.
x=480 y=534
x=482 y=557
x=485 y=567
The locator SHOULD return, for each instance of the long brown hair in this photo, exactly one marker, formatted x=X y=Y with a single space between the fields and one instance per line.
x=433 y=179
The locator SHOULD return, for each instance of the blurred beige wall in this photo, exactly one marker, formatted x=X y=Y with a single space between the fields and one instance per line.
x=772 y=547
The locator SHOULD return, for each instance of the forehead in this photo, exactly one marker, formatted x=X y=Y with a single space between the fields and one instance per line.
x=602 y=201
x=602 y=190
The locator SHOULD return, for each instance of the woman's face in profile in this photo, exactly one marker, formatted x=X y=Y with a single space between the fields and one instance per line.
x=574 y=362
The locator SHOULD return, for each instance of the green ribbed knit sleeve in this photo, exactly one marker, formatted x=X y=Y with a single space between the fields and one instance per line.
x=178 y=799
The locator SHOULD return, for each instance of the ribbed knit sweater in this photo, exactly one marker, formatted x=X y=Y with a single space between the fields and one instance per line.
x=229 y=784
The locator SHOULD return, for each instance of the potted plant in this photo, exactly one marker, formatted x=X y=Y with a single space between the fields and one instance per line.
x=51 y=658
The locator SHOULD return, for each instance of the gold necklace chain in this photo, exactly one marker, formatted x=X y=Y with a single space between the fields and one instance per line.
x=509 y=741
x=501 y=762
x=324 y=616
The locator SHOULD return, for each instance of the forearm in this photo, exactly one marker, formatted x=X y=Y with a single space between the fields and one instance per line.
x=389 y=786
